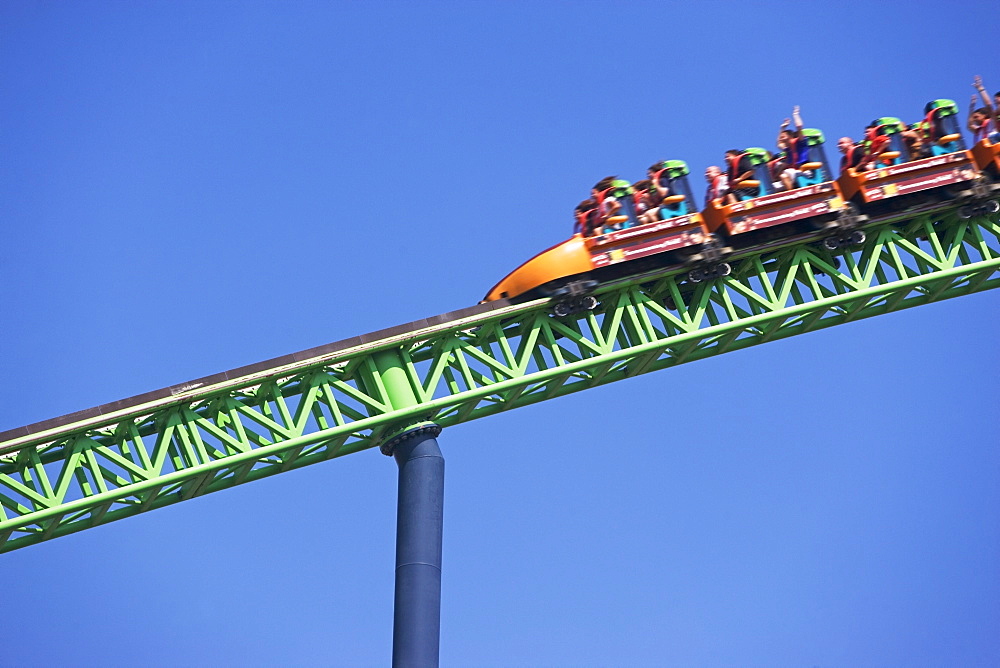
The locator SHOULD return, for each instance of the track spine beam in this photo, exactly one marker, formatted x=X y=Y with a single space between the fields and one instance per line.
x=83 y=474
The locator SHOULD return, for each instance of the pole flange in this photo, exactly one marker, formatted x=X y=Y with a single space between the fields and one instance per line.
x=419 y=429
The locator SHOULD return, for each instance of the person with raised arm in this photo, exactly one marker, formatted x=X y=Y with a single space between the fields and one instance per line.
x=795 y=150
x=983 y=121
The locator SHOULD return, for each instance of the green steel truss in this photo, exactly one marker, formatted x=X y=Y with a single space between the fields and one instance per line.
x=92 y=472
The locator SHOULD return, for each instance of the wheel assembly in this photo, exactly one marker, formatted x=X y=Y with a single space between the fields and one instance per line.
x=696 y=275
x=570 y=306
x=986 y=208
x=561 y=310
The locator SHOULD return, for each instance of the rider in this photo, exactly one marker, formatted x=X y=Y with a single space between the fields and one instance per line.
x=917 y=137
x=717 y=185
x=993 y=107
x=875 y=143
x=740 y=169
x=647 y=201
x=656 y=193
x=585 y=214
x=981 y=124
x=606 y=193
x=853 y=154
x=793 y=146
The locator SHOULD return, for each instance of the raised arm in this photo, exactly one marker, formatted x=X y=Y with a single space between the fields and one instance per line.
x=977 y=83
x=797 y=119
x=972 y=109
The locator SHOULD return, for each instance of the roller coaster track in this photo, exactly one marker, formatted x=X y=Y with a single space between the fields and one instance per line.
x=114 y=461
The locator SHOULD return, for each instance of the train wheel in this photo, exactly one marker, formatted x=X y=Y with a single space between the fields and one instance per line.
x=696 y=275
x=723 y=269
x=561 y=310
x=831 y=243
x=992 y=206
x=857 y=237
x=589 y=302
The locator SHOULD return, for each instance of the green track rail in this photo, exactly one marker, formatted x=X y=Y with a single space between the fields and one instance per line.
x=206 y=438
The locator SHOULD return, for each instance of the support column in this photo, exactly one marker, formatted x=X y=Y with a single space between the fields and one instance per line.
x=416 y=627
x=416 y=624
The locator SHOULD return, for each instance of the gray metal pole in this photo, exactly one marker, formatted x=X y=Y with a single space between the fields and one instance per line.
x=416 y=629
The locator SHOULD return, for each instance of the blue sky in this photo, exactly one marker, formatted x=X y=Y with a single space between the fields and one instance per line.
x=190 y=187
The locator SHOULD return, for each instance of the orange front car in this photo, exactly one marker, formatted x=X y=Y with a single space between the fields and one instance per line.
x=604 y=256
x=561 y=261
